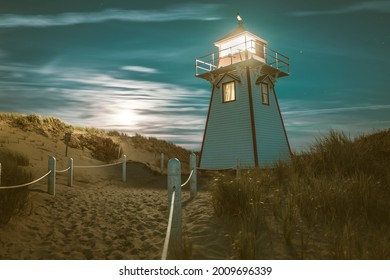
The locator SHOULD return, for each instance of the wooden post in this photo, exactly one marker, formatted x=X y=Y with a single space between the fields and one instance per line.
x=174 y=185
x=0 y=174
x=67 y=140
x=238 y=171
x=51 y=182
x=119 y=151
x=124 y=168
x=70 y=172
x=162 y=163
x=193 y=181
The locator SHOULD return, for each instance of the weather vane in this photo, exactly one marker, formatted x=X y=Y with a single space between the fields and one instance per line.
x=240 y=20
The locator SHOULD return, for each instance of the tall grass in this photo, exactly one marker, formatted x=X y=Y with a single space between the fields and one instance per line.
x=336 y=194
x=105 y=149
x=103 y=145
x=157 y=146
x=47 y=126
x=13 y=201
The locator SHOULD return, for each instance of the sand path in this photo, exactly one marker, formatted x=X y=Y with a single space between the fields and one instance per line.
x=100 y=217
x=103 y=218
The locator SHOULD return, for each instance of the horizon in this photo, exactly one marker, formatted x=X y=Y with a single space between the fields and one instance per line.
x=130 y=67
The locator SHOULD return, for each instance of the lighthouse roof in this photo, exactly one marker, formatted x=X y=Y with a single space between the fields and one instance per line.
x=239 y=31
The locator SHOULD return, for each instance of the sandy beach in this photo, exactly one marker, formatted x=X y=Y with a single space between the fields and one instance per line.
x=100 y=217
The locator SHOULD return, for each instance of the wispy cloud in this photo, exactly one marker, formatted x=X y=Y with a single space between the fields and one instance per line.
x=140 y=69
x=304 y=125
x=336 y=110
x=374 y=6
x=201 y=12
x=88 y=97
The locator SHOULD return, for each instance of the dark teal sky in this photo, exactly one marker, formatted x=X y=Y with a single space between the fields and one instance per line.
x=129 y=65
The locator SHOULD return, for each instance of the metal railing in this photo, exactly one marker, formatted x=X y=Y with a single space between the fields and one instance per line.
x=241 y=52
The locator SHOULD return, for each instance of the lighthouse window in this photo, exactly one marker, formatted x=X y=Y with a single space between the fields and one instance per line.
x=265 y=93
x=229 y=92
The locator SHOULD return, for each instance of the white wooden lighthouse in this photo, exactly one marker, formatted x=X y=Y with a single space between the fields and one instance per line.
x=244 y=123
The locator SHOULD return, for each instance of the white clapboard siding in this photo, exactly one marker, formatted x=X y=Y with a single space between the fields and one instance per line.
x=229 y=135
x=272 y=144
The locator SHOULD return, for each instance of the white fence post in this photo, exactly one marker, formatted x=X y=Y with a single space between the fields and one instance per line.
x=162 y=163
x=70 y=172
x=51 y=182
x=124 y=168
x=174 y=185
x=193 y=182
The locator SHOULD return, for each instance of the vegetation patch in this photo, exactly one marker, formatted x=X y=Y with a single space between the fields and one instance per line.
x=13 y=172
x=158 y=146
x=335 y=196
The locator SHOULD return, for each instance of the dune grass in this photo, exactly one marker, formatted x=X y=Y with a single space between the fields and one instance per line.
x=335 y=196
x=103 y=145
x=13 y=172
x=157 y=146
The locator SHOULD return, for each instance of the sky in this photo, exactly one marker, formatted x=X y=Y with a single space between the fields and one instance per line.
x=130 y=65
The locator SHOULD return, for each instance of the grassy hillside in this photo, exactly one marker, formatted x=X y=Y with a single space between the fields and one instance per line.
x=331 y=202
x=96 y=143
x=104 y=146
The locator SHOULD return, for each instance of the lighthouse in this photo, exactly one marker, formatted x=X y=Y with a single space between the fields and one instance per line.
x=244 y=123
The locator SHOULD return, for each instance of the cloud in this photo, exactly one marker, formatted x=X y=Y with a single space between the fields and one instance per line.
x=374 y=6
x=303 y=126
x=200 y=12
x=336 y=110
x=141 y=69
x=89 y=98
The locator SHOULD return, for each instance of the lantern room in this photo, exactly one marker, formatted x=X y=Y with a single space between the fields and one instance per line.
x=240 y=45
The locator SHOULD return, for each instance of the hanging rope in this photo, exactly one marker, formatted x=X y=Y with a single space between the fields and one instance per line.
x=96 y=166
x=169 y=227
x=26 y=184
x=189 y=178
x=62 y=171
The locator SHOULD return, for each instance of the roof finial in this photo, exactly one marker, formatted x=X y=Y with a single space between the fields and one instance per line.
x=240 y=20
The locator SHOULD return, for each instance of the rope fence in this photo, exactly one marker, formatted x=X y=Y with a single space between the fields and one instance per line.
x=62 y=171
x=52 y=171
x=96 y=166
x=168 y=234
x=189 y=178
x=174 y=228
x=26 y=184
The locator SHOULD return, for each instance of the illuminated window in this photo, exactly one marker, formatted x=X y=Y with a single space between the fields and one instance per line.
x=229 y=92
x=265 y=93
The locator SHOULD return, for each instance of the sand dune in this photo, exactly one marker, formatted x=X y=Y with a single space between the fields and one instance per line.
x=100 y=217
